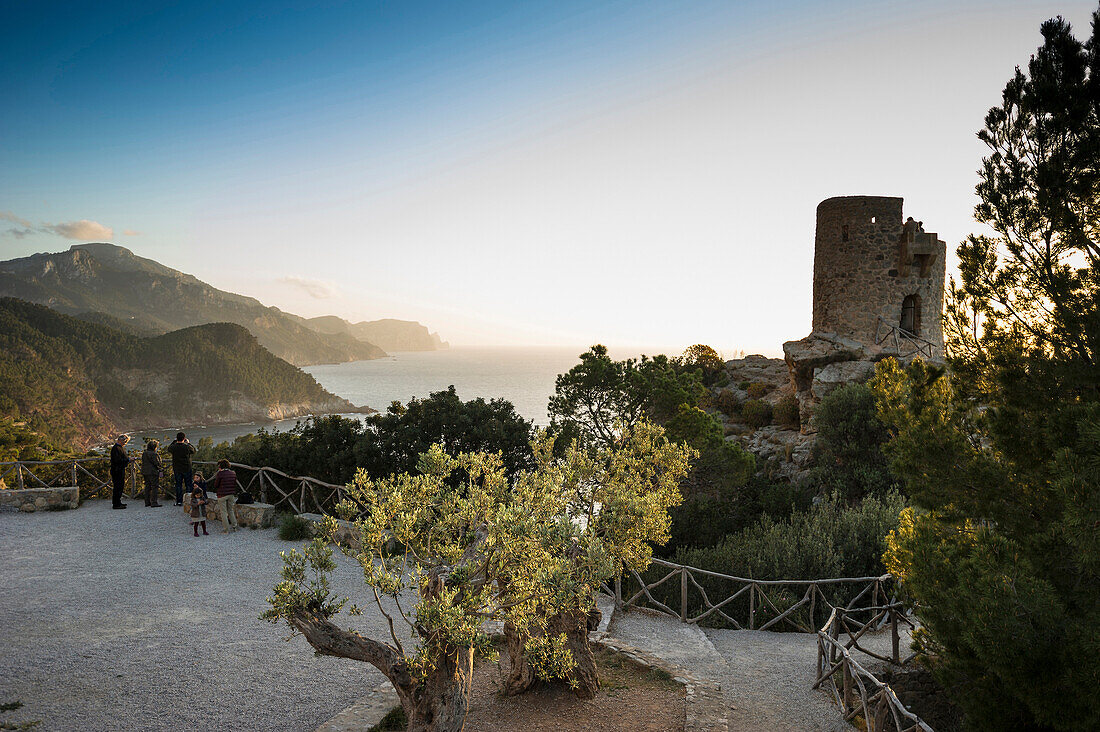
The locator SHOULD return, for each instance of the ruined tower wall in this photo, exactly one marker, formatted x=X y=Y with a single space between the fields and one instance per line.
x=863 y=270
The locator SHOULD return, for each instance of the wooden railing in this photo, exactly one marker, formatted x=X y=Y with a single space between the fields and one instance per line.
x=868 y=605
x=760 y=607
x=760 y=604
x=905 y=343
x=300 y=494
x=856 y=690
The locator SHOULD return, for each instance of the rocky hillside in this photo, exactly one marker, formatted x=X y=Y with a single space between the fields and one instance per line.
x=77 y=382
x=388 y=334
x=782 y=449
x=151 y=298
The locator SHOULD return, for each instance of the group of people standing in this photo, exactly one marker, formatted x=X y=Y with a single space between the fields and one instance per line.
x=191 y=488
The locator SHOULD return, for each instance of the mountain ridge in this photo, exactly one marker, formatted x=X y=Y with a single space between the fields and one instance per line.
x=151 y=297
x=78 y=381
x=389 y=334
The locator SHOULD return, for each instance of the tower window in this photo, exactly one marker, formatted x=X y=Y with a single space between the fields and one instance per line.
x=910 y=314
x=873 y=219
x=844 y=232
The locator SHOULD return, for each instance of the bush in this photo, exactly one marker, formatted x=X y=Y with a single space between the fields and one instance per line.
x=707 y=518
x=394 y=721
x=757 y=390
x=848 y=450
x=756 y=413
x=728 y=403
x=830 y=539
x=293 y=527
x=786 y=412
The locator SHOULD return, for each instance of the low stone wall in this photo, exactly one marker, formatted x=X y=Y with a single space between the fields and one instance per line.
x=260 y=515
x=40 y=499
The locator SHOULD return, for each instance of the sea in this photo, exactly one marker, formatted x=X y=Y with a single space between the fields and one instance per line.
x=524 y=376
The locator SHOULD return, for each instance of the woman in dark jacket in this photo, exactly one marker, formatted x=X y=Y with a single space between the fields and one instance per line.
x=151 y=467
x=119 y=461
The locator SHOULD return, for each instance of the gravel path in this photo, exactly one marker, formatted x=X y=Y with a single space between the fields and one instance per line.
x=767 y=678
x=770 y=682
x=122 y=620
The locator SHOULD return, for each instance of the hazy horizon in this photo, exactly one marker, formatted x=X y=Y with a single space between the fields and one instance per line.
x=627 y=173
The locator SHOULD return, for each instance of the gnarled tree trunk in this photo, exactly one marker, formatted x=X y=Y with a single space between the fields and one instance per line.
x=575 y=624
x=436 y=703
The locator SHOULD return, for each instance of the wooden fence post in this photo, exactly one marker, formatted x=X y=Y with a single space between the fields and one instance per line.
x=74 y=474
x=19 y=474
x=619 y=590
x=752 y=606
x=894 y=640
x=683 y=594
x=847 y=684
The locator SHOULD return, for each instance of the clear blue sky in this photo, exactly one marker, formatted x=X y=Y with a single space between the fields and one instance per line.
x=560 y=172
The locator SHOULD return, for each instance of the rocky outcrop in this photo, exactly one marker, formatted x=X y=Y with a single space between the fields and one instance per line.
x=782 y=451
x=822 y=362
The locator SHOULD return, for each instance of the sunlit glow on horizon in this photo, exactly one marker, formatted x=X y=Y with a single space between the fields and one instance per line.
x=638 y=174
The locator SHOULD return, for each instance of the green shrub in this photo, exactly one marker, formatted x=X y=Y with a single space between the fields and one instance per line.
x=295 y=528
x=848 y=451
x=394 y=721
x=756 y=413
x=785 y=412
x=728 y=403
x=706 y=518
x=744 y=385
x=830 y=539
x=757 y=390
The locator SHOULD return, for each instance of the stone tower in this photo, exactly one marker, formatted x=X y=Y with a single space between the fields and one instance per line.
x=874 y=272
x=878 y=292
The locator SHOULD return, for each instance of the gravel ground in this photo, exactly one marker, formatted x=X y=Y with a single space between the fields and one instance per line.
x=122 y=620
x=770 y=682
x=767 y=678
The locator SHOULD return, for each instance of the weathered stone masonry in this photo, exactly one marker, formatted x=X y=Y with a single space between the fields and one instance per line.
x=878 y=292
x=869 y=265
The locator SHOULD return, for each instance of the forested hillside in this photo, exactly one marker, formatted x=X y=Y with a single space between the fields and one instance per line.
x=152 y=298
x=77 y=381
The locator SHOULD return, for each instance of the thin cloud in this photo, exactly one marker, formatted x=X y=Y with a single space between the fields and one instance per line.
x=130 y=232
x=84 y=229
x=317 y=289
x=9 y=216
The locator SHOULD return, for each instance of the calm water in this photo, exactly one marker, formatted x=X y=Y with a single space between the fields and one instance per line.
x=523 y=376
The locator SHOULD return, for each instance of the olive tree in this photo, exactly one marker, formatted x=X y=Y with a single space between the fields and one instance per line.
x=474 y=546
x=617 y=500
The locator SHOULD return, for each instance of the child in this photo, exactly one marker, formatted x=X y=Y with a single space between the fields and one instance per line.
x=197 y=501
x=198 y=484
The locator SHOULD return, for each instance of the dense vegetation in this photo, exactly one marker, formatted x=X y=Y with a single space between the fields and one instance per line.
x=70 y=379
x=332 y=448
x=847 y=453
x=1001 y=455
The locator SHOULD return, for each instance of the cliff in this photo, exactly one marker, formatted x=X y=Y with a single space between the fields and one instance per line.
x=77 y=382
